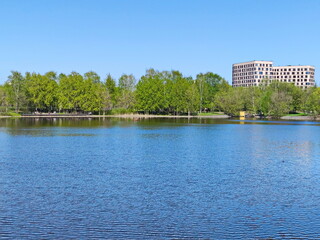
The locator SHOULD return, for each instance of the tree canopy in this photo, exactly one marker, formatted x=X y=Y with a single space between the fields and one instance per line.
x=156 y=92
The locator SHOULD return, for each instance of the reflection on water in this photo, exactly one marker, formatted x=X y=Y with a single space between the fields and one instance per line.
x=159 y=179
x=242 y=120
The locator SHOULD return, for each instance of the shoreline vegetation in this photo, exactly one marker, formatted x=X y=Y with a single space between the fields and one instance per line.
x=134 y=116
x=149 y=116
x=157 y=94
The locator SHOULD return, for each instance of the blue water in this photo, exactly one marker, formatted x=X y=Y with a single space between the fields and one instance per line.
x=159 y=179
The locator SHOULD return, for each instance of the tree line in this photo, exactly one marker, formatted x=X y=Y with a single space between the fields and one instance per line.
x=156 y=92
x=271 y=98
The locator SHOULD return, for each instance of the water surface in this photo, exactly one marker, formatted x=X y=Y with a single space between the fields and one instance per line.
x=159 y=179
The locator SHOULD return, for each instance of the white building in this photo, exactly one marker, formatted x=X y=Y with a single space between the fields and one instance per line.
x=253 y=73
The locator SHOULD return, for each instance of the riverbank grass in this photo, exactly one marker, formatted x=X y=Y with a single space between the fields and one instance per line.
x=210 y=113
x=10 y=114
x=296 y=115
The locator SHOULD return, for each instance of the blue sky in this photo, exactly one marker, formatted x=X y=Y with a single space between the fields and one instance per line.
x=130 y=36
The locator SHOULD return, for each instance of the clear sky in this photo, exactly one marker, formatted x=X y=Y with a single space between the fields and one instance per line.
x=130 y=36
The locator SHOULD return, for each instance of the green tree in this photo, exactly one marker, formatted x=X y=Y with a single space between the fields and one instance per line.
x=192 y=98
x=3 y=99
x=126 y=91
x=202 y=90
x=42 y=90
x=265 y=102
x=313 y=102
x=90 y=98
x=280 y=103
x=230 y=101
x=70 y=91
x=251 y=99
x=16 y=90
x=209 y=84
x=291 y=90
x=111 y=93
x=106 y=99
x=151 y=92
x=290 y=97
x=179 y=96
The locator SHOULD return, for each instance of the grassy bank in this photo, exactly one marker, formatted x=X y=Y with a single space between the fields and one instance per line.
x=9 y=114
x=210 y=113
x=296 y=114
x=136 y=116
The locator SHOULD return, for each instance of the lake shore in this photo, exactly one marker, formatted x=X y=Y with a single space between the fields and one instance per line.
x=135 y=116
x=301 y=118
x=146 y=116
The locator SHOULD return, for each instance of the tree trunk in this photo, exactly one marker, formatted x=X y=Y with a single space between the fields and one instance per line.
x=17 y=107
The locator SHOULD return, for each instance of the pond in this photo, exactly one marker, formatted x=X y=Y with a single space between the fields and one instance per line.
x=159 y=179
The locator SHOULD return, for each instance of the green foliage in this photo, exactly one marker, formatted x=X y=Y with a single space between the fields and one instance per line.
x=16 y=90
x=126 y=91
x=119 y=111
x=3 y=99
x=275 y=99
x=210 y=113
x=313 y=102
x=165 y=92
x=296 y=114
x=192 y=98
x=179 y=90
x=209 y=84
x=10 y=114
x=152 y=92
x=13 y=114
x=42 y=90
x=70 y=91
x=90 y=99
x=280 y=103
x=111 y=90
x=230 y=101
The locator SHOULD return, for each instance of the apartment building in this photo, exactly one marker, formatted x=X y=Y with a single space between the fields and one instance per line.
x=302 y=76
x=253 y=73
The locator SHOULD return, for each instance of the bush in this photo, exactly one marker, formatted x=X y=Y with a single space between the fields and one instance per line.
x=118 y=111
x=11 y=114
